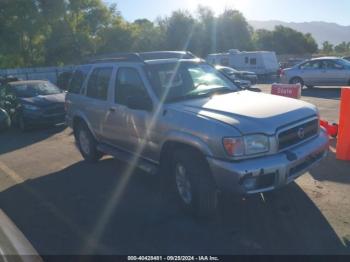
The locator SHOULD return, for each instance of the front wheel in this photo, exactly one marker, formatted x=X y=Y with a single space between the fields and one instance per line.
x=297 y=80
x=87 y=144
x=194 y=186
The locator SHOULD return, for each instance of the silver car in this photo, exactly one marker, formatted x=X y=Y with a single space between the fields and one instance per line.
x=323 y=71
x=182 y=119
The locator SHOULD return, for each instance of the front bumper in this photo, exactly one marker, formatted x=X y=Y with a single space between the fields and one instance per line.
x=269 y=172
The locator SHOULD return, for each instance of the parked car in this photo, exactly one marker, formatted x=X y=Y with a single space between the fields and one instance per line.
x=32 y=103
x=185 y=119
x=347 y=58
x=234 y=76
x=323 y=71
x=262 y=63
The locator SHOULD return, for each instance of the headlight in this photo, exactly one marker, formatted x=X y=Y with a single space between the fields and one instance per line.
x=255 y=144
x=247 y=145
x=30 y=107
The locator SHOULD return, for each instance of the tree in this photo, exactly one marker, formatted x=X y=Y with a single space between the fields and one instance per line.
x=327 y=47
x=342 y=48
x=178 y=30
x=233 y=31
x=147 y=36
x=285 y=40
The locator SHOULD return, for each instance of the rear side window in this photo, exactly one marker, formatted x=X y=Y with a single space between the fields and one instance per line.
x=128 y=84
x=253 y=61
x=78 y=79
x=98 y=83
x=76 y=82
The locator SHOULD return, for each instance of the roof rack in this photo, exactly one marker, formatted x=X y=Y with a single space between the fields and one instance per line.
x=167 y=55
x=116 y=57
x=141 y=57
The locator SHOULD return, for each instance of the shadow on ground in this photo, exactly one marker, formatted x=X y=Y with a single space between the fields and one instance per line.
x=322 y=92
x=14 y=139
x=59 y=211
x=332 y=169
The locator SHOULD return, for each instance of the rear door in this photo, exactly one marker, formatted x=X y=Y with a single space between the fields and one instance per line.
x=96 y=105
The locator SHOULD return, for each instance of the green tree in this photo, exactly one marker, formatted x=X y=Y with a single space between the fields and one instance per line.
x=342 y=48
x=327 y=47
x=233 y=31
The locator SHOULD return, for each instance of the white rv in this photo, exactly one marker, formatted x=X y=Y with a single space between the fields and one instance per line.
x=260 y=62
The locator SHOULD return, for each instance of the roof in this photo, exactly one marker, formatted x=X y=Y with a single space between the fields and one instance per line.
x=325 y=57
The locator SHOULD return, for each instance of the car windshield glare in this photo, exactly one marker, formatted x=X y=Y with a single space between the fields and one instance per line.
x=176 y=81
x=35 y=89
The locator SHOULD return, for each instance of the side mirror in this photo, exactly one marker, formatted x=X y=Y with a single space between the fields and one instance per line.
x=139 y=102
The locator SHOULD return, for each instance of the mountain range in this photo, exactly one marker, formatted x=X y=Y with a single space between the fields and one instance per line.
x=321 y=31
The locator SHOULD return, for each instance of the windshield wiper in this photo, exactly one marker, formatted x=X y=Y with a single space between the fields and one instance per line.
x=201 y=94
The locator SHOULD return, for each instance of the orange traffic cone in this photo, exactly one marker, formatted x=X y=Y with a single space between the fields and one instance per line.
x=343 y=143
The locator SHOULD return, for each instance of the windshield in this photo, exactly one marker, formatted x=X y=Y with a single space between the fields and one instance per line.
x=344 y=62
x=229 y=71
x=177 y=81
x=35 y=89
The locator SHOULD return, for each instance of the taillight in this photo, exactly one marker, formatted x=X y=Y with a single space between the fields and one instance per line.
x=282 y=72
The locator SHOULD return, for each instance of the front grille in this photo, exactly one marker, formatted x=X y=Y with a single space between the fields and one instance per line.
x=297 y=134
x=54 y=109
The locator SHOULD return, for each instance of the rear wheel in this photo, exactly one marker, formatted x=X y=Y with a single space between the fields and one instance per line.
x=193 y=184
x=297 y=80
x=87 y=144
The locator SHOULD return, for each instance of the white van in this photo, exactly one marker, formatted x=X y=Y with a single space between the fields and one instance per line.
x=260 y=62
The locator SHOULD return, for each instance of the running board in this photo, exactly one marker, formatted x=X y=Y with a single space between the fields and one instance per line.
x=142 y=164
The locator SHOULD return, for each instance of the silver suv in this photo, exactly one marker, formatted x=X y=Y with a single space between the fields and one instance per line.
x=323 y=71
x=174 y=113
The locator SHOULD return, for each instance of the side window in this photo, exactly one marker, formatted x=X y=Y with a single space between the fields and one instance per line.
x=311 y=65
x=98 y=83
x=128 y=84
x=246 y=59
x=253 y=61
x=77 y=81
x=332 y=65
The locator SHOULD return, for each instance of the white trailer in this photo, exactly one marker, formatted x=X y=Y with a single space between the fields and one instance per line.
x=260 y=62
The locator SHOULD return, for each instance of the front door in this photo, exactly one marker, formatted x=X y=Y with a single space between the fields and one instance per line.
x=127 y=128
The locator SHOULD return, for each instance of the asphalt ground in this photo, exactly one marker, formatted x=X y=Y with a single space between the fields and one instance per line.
x=64 y=205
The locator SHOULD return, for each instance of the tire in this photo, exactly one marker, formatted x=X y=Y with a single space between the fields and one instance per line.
x=192 y=184
x=87 y=144
x=297 y=80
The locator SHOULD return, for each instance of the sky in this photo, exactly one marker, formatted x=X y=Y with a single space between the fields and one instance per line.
x=336 y=11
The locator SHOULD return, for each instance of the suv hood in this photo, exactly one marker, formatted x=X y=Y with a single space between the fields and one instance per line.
x=250 y=112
